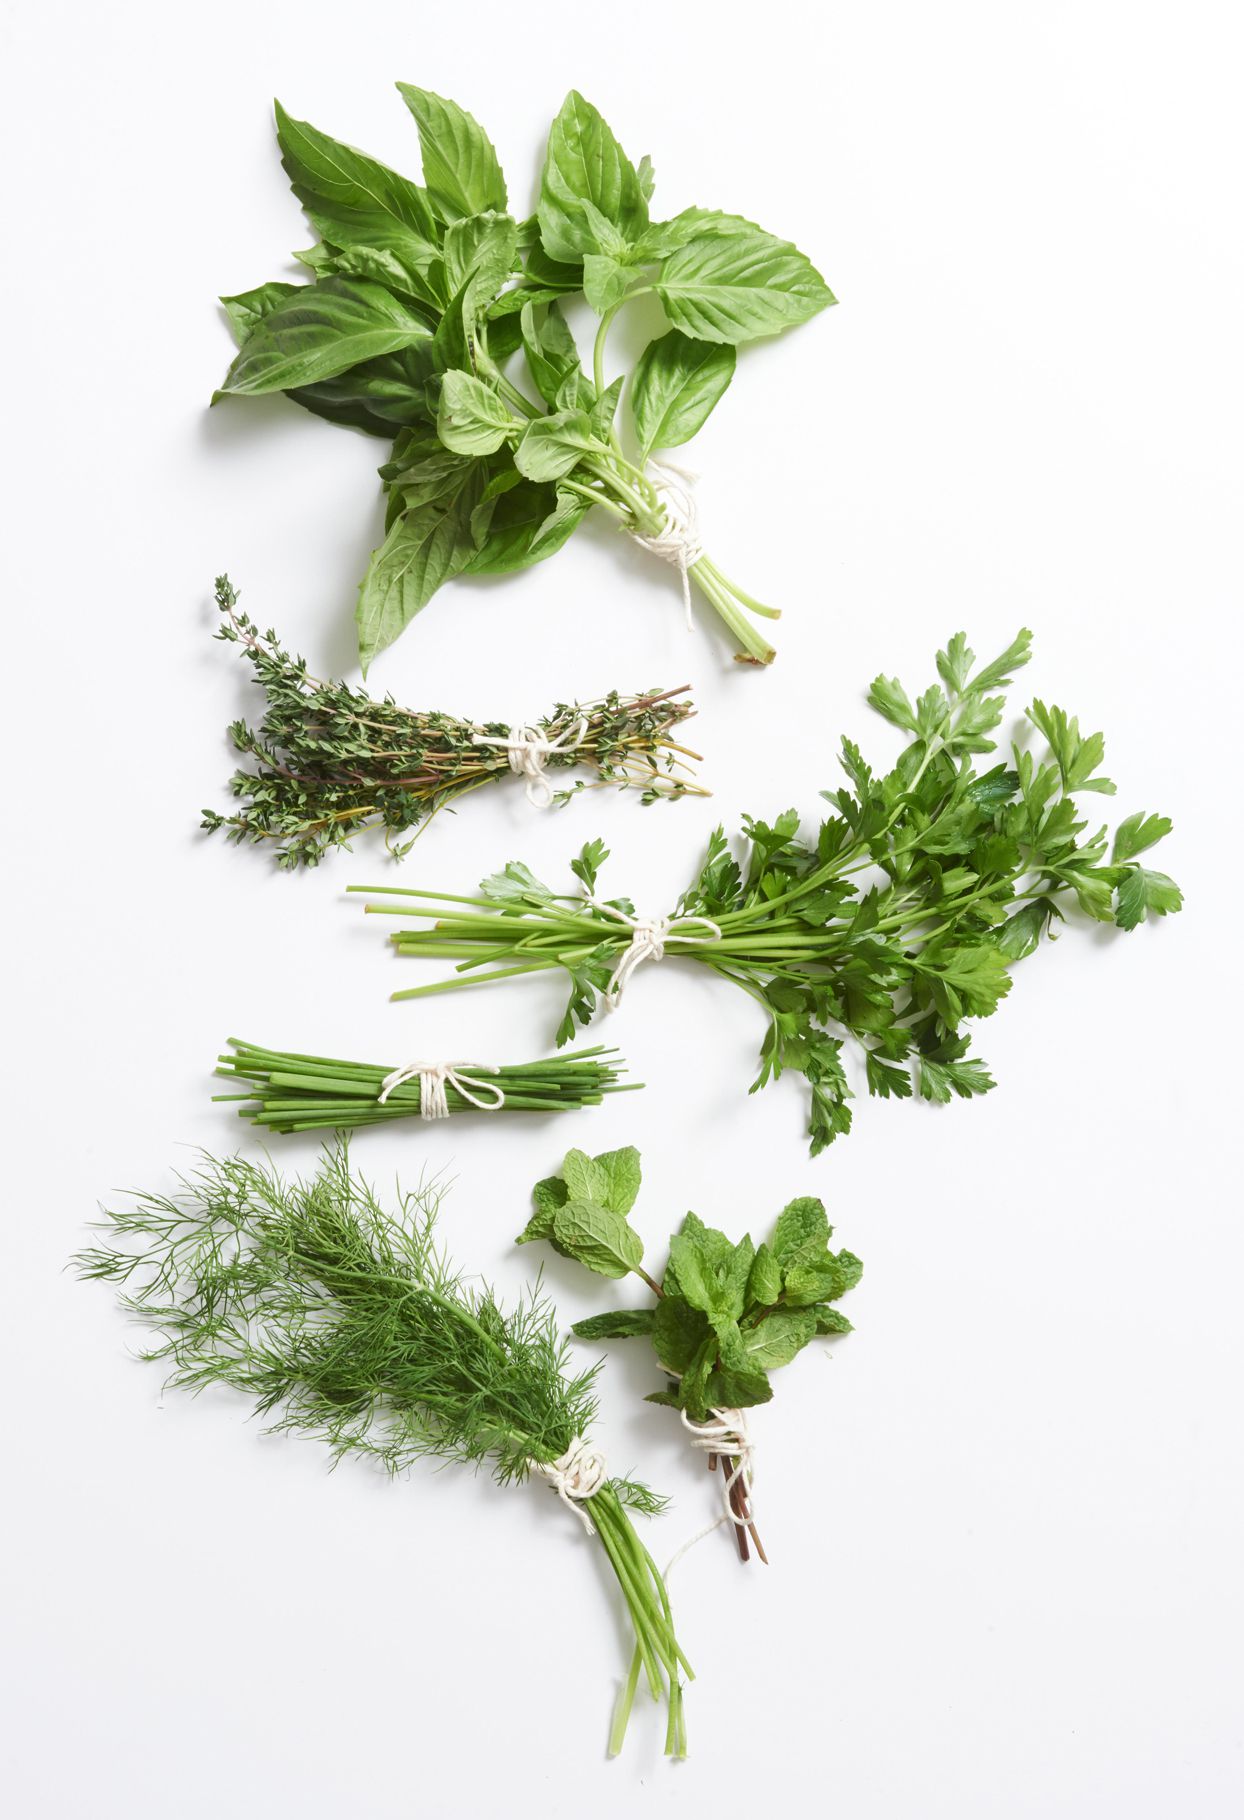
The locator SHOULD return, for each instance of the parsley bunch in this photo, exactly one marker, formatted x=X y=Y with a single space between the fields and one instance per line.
x=330 y=761
x=725 y=1315
x=894 y=923
x=348 y=1324
x=423 y=295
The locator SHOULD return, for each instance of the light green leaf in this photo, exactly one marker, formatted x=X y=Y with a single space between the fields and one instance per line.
x=830 y=1320
x=621 y=1170
x=552 y=446
x=1143 y=891
x=550 y=350
x=606 y=280
x=473 y=419
x=548 y=1195
x=460 y=167
x=585 y=1179
x=515 y=884
x=677 y=383
x=423 y=549
x=319 y=331
x=601 y=1240
x=585 y=164
x=480 y=247
x=736 y=288
x=779 y=1337
x=799 y=1223
x=352 y=199
x=764 y=1286
x=1134 y=835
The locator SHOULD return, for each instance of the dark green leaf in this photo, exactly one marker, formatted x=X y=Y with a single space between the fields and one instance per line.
x=318 y=331
x=618 y=1324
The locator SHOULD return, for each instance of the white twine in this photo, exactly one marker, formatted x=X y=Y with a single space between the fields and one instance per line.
x=529 y=752
x=725 y=1434
x=576 y=1476
x=677 y=542
x=434 y=1077
x=649 y=935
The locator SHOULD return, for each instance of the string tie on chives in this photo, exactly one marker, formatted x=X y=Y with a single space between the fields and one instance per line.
x=726 y=1434
x=575 y=1476
x=435 y=1077
x=649 y=935
x=677 y=542
x=529 y=751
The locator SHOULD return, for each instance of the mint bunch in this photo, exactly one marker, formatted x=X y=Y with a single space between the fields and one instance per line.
x=724 y=1315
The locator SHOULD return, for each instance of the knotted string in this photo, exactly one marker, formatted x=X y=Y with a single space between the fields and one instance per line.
x=677 y=542
x=727 y=1435
x=649 y=935
x=576 y=1476
x=529 y=752
x=434 y=1077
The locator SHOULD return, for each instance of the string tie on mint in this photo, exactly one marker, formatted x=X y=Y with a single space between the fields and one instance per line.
x=435 y=1077
x=725 y=1435
x=529 y=752
x=649 y=934
x=678 y=541
x=576 y=1476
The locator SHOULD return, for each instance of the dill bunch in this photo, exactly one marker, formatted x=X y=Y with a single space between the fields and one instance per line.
x=292 y=1092
x=350 y=1325
x=329 y=760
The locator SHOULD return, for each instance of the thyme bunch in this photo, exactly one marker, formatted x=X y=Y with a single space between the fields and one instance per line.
x=293 y=1092
x=328 y=760
x=894 y=924
x=350 y=1325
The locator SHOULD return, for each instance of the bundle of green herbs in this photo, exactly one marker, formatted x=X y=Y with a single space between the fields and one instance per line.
x=423 y=295
x=724 y=1316
x=329 y=760
x=294 y=1092
x=348 y=1324
x=898 y=921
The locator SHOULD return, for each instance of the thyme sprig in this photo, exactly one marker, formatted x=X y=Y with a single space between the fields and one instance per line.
x=328 y=760
x=294 y=1092
x=350 y=1325
x=897 y=922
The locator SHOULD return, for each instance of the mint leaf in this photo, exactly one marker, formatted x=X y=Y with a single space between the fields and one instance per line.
x=618 y=1324
x=622 y=1176
x=595 y=1237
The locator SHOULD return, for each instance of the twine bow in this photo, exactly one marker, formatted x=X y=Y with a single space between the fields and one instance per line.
x=434 y=1077
x=575 y=1476
x=529 y=752
x=649 y=935
x=677 y=542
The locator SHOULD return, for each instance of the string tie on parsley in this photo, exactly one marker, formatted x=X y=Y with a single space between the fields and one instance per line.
x=576 y=1476
x=649 y=935
x=677 y=542
x=434 y=1078
x=529 y=751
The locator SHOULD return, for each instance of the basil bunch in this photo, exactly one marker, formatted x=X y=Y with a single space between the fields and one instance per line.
x=422 y=294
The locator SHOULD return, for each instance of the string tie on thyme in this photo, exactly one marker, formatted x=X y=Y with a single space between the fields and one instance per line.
x=649 y=935
x=726 y=1434
x=575 y=1476
x=678 y=541
x=435 y=1077
x=529 y=751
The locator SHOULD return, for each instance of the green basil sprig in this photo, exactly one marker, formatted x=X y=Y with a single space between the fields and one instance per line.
x=422 y=296
x=724 y=1315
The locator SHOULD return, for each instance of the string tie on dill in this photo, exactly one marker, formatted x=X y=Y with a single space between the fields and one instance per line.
x=529 y=751
x=649 y=935
x=575 y=1476
x=726 y=1434
x=435 y=1077
x=677 y=542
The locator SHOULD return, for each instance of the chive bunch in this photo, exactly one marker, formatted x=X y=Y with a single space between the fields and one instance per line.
x=293 y=1092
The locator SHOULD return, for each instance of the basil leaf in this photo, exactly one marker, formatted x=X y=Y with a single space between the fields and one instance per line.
x=480 y=246
x=552 y=446
x=677 y=383
x=319 y=332
x=736 y=288
x=618 y=1324
x=584 y=164
x=416 y=273
x=530 y=521
x=351 y=198
x=779 y=1337
x=460 y=167
x=601 y=1240
x=423 y=549
x=606 y=280
x=248 y=309
x=473 y=419
x=550 y=350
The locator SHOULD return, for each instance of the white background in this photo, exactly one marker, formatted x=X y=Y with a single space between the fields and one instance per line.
x=1004 y=1515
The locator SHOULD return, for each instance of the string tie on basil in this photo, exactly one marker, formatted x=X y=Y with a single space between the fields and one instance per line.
x=529 y=752
x=677 y=542
x=576 y=1476
x=434 y=1078
x=649 y=935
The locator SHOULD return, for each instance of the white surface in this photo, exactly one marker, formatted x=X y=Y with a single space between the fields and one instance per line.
x=1008 y=1584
